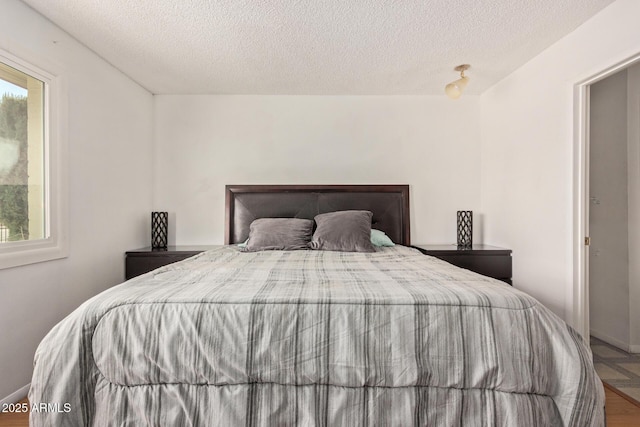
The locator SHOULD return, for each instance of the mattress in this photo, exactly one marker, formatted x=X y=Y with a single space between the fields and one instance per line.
x=315 y=338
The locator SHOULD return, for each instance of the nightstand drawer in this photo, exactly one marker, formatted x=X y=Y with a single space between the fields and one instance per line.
x=487 y=260
x=138 y=265
x=143 y=260
x=496 y=266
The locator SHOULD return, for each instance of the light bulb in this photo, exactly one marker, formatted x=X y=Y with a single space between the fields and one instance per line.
x=462 y=82
x=454 y=89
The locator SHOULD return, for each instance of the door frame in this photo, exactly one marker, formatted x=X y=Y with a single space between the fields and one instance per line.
x=578 y=315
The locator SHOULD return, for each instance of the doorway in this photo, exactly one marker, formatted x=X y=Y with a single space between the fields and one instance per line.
x=607 y=292
x=610 y=216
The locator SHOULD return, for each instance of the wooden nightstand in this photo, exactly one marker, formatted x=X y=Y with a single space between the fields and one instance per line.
x=484 y=259
x=140 y=261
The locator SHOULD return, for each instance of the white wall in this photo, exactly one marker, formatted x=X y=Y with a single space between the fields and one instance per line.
x=204 y=142
x=110 y=174
x=527 y=151
x=608 y=211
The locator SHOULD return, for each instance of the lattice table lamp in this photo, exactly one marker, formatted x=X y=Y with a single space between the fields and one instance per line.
x=465 y=229
x=159 y=230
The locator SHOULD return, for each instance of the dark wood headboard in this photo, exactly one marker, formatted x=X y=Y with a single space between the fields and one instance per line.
x=245 y=203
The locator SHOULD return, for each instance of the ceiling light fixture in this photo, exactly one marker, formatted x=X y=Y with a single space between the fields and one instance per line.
x=454 y=89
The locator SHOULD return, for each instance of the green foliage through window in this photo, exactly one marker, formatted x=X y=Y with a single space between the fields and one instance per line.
x=14 y=209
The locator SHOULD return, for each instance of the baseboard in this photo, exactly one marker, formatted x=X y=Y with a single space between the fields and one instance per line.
x=610 y=340
x=16 y=396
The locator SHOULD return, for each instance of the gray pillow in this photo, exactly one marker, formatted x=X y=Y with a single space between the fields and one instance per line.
x=345 y=231
x=279 y=234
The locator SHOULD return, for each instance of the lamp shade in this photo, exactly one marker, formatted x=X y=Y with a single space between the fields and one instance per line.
x=454 y=89
x=159 y=229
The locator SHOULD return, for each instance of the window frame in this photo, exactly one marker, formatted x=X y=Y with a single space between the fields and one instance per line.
x=55 y=244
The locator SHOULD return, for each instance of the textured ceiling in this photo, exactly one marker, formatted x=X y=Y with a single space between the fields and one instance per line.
x=329 y=47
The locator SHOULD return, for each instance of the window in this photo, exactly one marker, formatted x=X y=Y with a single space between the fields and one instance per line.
x=31 y=196
x=22 y=208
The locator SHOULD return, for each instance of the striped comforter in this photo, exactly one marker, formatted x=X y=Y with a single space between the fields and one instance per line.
x=392 y=338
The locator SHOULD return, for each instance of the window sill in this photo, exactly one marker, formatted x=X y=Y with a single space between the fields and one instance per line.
x=16 y=254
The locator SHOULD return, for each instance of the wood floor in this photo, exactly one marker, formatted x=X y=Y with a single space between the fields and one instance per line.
x=620 y=413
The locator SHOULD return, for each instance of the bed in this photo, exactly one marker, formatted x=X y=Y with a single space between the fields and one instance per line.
x=314 y=337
